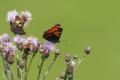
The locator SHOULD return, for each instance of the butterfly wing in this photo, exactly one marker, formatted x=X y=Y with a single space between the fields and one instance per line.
x=53 y=35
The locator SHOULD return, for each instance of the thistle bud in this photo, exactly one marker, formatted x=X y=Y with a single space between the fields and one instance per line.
x=57 y=52
x=75 y=57
x=20 y=46
x=70 y=67
x=67 y=58
x=46 y=53
x=87 y=50
x=22 y=64
x=62 y=75
x=10 y=58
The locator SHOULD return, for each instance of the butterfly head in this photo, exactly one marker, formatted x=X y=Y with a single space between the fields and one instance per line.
x=59 y=26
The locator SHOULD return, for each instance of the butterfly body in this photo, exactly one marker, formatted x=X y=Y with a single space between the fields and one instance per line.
x=53 y=34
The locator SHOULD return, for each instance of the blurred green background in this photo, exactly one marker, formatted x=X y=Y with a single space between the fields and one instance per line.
x=86 y=22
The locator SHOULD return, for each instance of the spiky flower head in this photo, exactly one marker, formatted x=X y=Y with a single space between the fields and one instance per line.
x=8 y=51
x=8 y=47
x=27 y=15
x=4 y=38
x=49 y=45
x=32 y=40
x=18 y=19
x=19 y=39
x=32 y=43
x=20 y=42
x=46 y=48
x=11 y=15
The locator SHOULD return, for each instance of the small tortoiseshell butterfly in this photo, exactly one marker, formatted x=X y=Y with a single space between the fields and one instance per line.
x=53 y=34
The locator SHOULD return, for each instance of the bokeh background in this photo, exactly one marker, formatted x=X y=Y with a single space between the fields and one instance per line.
x=86 y=22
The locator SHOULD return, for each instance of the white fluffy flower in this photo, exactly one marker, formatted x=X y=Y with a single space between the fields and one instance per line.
x=27 y=15
x=11 y=15
x=19 y=39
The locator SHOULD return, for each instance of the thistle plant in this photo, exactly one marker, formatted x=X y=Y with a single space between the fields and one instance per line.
x=21 y=47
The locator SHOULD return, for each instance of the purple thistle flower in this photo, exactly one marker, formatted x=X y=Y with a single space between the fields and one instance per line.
x=32 y=43
x=32 y=40
x=27 y=15
x=7 y=46
x=46 y=48
x=4 y=38
x=8 y=51
x=19 y=39
x=11 y=15
x=20 y=42
x=49 y=45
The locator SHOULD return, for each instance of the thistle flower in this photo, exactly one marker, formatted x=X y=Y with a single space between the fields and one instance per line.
x=8 y=51
x=32 y=43
x=27 y=15
x=19 y=41
x=11 y=15
x=46 y=48
x=4 y=38
x=49 y=45
x=17 y=21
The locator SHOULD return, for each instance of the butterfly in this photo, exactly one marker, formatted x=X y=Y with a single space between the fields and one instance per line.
x=53 y=34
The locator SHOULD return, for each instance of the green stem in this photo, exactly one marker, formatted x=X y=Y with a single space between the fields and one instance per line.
x=45 y=75
x=10 y=66
x=30 y=64
x=6 y=68
x=40 y=69
x=80 y=61
x=25 y=78
x=18 y=70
